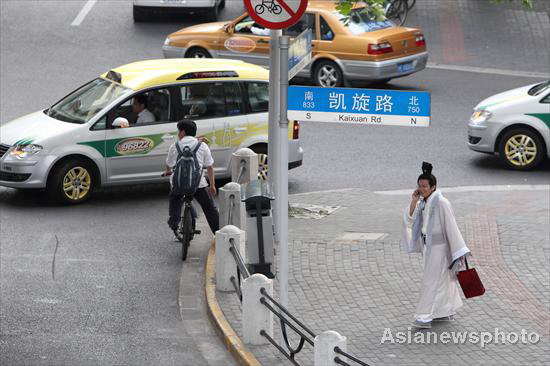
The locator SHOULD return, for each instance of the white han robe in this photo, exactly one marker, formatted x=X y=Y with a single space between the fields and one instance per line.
x=443 y=244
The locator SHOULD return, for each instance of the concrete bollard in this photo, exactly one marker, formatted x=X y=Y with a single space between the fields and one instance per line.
x=255 y=316
x=225 y=263
x=248 y=159
x=230 y=194
x=323 y=348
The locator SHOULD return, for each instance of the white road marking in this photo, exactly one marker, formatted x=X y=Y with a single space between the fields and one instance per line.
x=500 y=188
x=83 y=12
x=483 y=70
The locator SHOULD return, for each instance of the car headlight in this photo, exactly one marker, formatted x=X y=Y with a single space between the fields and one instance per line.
x=167 y=41
x=480 y=116
x=24 y=151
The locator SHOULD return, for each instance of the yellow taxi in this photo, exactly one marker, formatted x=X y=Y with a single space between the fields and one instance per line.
x=354 y=49
x=117 y=128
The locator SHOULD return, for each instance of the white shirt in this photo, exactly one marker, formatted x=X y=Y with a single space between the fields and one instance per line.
x=204 y=156
x=145 y=116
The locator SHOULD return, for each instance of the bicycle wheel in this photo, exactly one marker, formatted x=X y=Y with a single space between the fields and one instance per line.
x=397 y=11
x=410 y=4
x=186 y=227
x=259 y=9
x=277 y=9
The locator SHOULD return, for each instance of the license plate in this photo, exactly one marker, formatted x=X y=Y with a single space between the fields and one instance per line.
x=407 y=66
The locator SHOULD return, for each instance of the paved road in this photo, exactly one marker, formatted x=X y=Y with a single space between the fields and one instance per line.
x=116 y=276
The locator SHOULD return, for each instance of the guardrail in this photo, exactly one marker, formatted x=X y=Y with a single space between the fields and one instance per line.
x=241 y=268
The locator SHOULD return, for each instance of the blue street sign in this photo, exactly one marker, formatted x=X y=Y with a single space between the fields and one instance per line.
x=362 y=106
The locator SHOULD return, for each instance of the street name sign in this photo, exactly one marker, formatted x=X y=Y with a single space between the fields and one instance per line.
x=276 y=14
x=359 y=106
x=299 y=53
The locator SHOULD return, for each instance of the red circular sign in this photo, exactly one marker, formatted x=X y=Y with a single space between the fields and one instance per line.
x=276 y=14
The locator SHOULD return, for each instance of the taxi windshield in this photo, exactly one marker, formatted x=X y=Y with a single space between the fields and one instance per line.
x=359 y=21
x=539 y=88
x=85 y=102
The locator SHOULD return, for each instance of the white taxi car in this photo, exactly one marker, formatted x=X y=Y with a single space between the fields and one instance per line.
x=515 y=125
x=117 y=128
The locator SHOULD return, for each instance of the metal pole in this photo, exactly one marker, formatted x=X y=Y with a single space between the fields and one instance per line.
x=282 y=177
x=274 y=90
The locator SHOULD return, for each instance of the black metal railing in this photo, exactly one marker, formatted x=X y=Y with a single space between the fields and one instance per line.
x=241 y=269
x=231 y=206
x=339 y=361
x=284 y=315
x=241 y=171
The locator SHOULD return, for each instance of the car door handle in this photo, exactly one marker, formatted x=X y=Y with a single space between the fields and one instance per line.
x=240 y=130
x=262 y=41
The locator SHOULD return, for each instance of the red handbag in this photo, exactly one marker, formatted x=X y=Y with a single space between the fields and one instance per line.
x=470 y=282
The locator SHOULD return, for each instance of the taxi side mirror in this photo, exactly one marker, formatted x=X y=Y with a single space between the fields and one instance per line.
x=121 y=122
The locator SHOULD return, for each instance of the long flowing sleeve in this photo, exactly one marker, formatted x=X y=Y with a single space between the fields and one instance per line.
x=407 y=243
x=451 y=231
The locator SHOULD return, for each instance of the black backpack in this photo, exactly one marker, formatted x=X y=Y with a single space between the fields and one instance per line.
x=187 y=172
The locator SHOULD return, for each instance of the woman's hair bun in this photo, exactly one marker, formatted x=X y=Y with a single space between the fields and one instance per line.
x=426 y=168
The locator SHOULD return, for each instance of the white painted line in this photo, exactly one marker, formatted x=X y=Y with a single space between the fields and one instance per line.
x=83 y=12
x=482 y=70
x=508 y=188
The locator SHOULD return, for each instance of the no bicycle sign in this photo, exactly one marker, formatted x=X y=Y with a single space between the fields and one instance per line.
x=276 y=14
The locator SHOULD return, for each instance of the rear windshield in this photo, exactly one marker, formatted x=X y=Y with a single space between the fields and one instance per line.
x=539 y=88
x=360 y=22
x=84 y=103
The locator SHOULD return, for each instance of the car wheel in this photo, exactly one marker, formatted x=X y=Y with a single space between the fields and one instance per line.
x=328 y=75
x=140 y=15
x=521 y=149
x=71 y=182
x=263 y=167
x=197 y=52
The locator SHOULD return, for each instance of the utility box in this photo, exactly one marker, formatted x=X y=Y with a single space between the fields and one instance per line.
x=257 y=196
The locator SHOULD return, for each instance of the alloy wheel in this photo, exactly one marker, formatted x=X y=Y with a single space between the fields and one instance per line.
x=263 y=167
x=77 y=183
x=327 y=76
x=520 y=150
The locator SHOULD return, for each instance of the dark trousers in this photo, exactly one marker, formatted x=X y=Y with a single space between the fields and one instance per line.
x=207 y=204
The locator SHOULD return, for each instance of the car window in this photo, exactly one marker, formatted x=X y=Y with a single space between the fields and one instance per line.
x=101 y=124
x=150 y=107
x=84 y=103
x=258 y=97
x=539 y=88
x=307 y=21
x=359 y=21
x=546 y=99
x=249 y=26
x=326 y=33
x=208 y=100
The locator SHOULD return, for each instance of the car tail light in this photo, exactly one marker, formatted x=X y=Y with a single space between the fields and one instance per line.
x=420 y=41
x=296 y=130
x=379 y=48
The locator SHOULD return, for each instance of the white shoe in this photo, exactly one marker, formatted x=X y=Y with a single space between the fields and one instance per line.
x=449 y=318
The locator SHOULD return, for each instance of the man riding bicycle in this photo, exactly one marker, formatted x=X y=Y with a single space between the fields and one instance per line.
x=206 y=191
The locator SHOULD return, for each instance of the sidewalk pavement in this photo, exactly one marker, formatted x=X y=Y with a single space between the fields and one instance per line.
x=359 y=288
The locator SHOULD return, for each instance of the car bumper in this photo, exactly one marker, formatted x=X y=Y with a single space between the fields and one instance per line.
x=25 y=173
x=295 y=154
x=378 y=70
x=482 y=137
x=184 y=5
x=173 y=52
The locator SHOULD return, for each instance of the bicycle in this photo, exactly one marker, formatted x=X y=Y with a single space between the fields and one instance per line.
x=397 y=10
x=186 y=228
x=269 y=5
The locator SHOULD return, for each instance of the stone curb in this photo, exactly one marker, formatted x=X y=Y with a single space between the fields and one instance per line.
x=222 y=327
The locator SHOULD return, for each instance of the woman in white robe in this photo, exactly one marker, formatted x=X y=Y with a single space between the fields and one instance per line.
x=429 y=227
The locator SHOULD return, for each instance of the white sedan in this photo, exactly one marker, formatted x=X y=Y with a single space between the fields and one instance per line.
x=515 y=125
x=210 y=8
